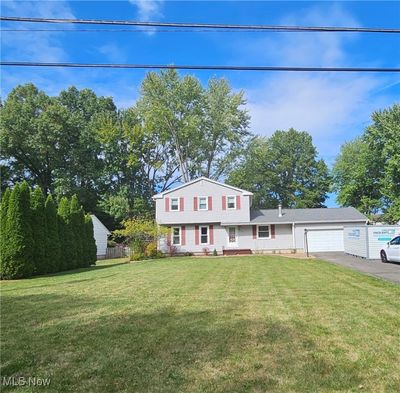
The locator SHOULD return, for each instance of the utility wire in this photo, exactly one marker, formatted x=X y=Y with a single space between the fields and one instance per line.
x=203 y=25
x=132 y=30
x=197 y=67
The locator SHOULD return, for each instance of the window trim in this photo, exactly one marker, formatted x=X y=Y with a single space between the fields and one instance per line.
x=269 y=231
x=227 y=202
x=198 y=204
x=208 y=235
x=170 y=204
x=180 y=236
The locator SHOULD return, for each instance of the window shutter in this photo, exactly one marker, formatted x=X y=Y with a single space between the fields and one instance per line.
x=183 y=235
x=238 y=202
x=167 y=204
x=209 y=203
x=211 y=228
x=195 y=203
x=254 y=231
x=223 y=202
x=196 y=235
x=272 y=231
x=181 y=204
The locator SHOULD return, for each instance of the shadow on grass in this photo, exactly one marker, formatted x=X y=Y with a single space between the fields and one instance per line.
x=164 y=350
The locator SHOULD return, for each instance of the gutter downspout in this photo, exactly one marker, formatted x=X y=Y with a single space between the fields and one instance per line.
x=294 y=236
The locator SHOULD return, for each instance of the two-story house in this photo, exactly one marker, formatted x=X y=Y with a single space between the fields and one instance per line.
x=204 y=215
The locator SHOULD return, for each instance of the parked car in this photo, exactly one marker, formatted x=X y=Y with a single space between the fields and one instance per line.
x=391 y=253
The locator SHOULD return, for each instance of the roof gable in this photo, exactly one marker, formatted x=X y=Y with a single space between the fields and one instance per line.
x=97 y=222
x=161 y=194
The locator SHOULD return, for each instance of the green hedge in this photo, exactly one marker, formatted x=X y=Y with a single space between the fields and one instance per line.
x=39 y=237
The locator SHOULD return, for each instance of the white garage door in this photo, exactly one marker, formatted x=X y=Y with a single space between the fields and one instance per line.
x=325 y=240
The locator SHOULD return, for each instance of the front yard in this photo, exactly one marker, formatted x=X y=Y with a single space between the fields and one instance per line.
x=240 y=324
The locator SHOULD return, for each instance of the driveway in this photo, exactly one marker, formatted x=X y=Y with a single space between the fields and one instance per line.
x=388 y=271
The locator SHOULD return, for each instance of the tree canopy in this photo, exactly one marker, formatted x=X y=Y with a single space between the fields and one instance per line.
x=366 y=173
x=285 y=169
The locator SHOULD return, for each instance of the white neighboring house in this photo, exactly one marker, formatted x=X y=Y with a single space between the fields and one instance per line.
x=101 y=234
x=205 y=215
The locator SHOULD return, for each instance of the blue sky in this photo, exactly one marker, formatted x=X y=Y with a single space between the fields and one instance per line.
x=333 y=107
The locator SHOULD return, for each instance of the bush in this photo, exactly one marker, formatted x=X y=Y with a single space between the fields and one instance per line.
x=151 y=250
x=206 y=251
x=215 y=253
x=160 y=254
x=188 y=254
x=137 y=256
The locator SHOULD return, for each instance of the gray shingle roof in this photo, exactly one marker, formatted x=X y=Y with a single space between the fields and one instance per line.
x=339 y=214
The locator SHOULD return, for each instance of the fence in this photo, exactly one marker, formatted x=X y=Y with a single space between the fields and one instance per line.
x=117 y=252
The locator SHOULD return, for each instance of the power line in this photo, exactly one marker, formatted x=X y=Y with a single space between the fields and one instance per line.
x=132 y=30
x=203 y=25
x=198 y=67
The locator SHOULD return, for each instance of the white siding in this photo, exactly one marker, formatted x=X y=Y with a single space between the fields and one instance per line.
x=355 y=241
x=100 y=235
x=370 y=241
x=283 y=240
x=203 y=188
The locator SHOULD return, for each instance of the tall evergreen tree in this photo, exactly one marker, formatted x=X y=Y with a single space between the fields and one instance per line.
x=18 y=261
x=91 y=248
x=66 y=235
x=39 y=232
x=3 y=221
x=53 y=254
x=78 y=223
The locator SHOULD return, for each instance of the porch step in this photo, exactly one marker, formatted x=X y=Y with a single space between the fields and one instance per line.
x=237 y=251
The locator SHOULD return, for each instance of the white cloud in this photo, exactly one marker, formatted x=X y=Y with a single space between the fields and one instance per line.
x=331 y=106
x=148 y=9
x=34 y=46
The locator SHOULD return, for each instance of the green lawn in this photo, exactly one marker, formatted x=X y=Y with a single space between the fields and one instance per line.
x=240 y=324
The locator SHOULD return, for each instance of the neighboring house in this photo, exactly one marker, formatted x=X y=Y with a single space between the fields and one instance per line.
x=101 y=234
x=205 y=215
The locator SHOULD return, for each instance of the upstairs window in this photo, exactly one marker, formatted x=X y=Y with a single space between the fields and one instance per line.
x=264 y=232
x=203 y=203
x=231 y=202
x=174 y=204
x=176 y=236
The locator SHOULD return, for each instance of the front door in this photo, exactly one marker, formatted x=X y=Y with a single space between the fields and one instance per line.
x=232 y=233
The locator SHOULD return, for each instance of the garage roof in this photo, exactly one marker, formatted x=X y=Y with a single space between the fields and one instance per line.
x=338 y=214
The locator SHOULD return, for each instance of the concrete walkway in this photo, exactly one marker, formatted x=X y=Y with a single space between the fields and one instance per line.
x=389 y=271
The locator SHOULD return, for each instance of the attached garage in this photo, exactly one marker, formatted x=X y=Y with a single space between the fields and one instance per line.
x=321 y=240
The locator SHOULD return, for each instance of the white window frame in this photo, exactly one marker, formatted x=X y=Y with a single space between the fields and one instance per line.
x=269 y=231
x=206 y=198
x=208 y=234
x=234 y=202
x=180 y=236
x=170 y=203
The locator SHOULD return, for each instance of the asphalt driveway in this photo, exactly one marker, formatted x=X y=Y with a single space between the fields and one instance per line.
x=388 y=271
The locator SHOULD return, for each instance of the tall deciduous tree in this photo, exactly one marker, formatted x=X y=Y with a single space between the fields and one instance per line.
x=203 y=128
x=39 y=231
x=367 y=170
x=53 y=144
x=283 y=169
x=53 y=243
